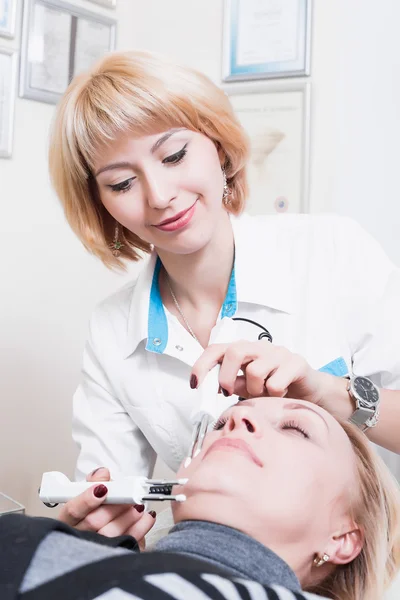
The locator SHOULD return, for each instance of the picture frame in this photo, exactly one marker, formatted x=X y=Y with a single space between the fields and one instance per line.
x=59 y=40
x=8 y=12
x=8 y=87
x=276 y=117
x=106 y=3
x=263 y=39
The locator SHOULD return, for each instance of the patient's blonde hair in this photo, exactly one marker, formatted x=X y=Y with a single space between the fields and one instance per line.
x=145 y=94
x=376 y=510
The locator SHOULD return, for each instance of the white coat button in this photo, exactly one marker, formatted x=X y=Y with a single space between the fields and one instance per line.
x=156 y=342
x=179 y=348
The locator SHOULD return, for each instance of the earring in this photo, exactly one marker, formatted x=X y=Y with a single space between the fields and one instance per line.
x=226 y=195
x=116 y=244
x=319 y=561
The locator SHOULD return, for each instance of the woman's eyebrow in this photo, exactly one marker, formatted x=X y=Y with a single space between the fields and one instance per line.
x=155 y=146
x=295 y=406
x=164 y=138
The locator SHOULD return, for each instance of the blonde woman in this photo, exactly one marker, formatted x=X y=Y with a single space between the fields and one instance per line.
x=147 y=157
x=282 y=498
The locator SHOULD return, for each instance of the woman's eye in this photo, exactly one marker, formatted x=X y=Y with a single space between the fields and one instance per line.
x=220 y=423
x=124 y=186
x=176 y=158
x=295 y=427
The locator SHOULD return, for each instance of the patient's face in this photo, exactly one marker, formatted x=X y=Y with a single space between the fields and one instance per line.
x=280 y=470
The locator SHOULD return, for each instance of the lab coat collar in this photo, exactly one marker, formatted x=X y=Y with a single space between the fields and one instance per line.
x=262 y=263
x=267 y=283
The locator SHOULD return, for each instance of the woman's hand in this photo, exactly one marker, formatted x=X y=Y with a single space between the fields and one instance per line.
x=87 y=513
x=270 y=370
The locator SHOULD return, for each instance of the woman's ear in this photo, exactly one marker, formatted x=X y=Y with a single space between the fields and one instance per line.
x=345 y=546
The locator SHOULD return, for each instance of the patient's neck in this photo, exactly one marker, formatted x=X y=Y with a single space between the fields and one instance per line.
x=230 y=549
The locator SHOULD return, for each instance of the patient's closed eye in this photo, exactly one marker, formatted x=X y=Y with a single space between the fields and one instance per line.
x=220 y=423
x=296 y=428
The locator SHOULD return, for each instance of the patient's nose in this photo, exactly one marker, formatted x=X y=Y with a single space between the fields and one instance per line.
x=242 y=418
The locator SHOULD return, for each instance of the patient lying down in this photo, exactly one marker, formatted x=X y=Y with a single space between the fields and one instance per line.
x=282 y=497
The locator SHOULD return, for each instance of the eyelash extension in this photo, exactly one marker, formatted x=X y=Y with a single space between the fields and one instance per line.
x=176 y=158
x=296 y=426
x=122 y=187
x=220 y=423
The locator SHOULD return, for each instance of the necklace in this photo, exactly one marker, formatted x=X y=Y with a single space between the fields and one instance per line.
x=190 y=330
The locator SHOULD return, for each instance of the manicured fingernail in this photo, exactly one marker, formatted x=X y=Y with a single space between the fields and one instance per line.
x=95 y=471
x=153 y=513
x=225 y=392
x=193 y=382
x=139 y=508
x=100 y=491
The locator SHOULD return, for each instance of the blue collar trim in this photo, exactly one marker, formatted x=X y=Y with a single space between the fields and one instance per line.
x=157 y=324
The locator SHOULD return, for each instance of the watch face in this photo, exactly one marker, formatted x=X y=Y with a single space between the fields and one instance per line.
x=366 y=391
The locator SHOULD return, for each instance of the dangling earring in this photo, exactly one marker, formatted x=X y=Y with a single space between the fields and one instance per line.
x=116 y=244
x=226 y=195
x=319 y=561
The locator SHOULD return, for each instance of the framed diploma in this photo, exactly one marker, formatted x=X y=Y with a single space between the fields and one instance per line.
x=59 y=40
x=266 y=39
x=8 y=83
x=8 y=10
x=276 y=117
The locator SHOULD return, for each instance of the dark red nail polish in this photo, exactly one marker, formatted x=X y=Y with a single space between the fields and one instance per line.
x=153 y=513
x=139 y=508
x=194 y=382
x=225 y=392
x=100 y=491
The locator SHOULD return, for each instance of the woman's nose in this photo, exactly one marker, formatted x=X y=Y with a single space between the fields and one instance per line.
x=158 y=193
x=242 y=418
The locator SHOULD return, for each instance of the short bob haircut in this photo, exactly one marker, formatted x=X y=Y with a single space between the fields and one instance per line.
x=146 y=94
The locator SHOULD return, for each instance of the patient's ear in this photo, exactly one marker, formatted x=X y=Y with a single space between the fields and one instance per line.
x=345 y=546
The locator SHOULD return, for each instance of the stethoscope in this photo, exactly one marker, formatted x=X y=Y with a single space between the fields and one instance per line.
x=264 y=334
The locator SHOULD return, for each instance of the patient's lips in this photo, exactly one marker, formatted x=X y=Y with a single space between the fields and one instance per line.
x=228 y=444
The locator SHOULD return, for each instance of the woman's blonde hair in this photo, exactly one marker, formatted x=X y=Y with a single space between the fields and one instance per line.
x=143 y=93
x=376 y=510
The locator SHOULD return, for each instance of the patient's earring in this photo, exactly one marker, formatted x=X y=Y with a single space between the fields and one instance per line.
x=226 y=196
x=321 y=560
x=116 y=244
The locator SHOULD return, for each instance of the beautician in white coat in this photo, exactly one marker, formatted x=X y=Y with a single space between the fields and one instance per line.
x=146 y=155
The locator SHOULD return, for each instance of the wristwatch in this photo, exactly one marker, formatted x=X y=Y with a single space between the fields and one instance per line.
x=366 y=397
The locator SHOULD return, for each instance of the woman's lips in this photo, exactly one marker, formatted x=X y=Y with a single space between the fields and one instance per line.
x=178 y=221
x=226 y=444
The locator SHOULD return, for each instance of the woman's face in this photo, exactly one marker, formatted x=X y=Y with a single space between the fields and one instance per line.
x=280 y=470
x=166 y=188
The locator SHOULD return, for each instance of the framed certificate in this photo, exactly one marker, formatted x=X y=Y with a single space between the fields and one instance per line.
x=59 y=40
x=8 y=82
x=266 y=39
x=276 y=117
x=8 y=9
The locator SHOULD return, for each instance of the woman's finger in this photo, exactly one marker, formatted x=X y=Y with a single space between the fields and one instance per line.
x=139 y=529
x=100 y=517
x=77 y=509
x=211 y=356
x=99 y=474
x=278 y=383
x=240 y=355
x=123 y=522
x=257 y=372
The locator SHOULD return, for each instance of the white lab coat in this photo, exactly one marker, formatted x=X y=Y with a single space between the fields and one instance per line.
x=320 y=284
